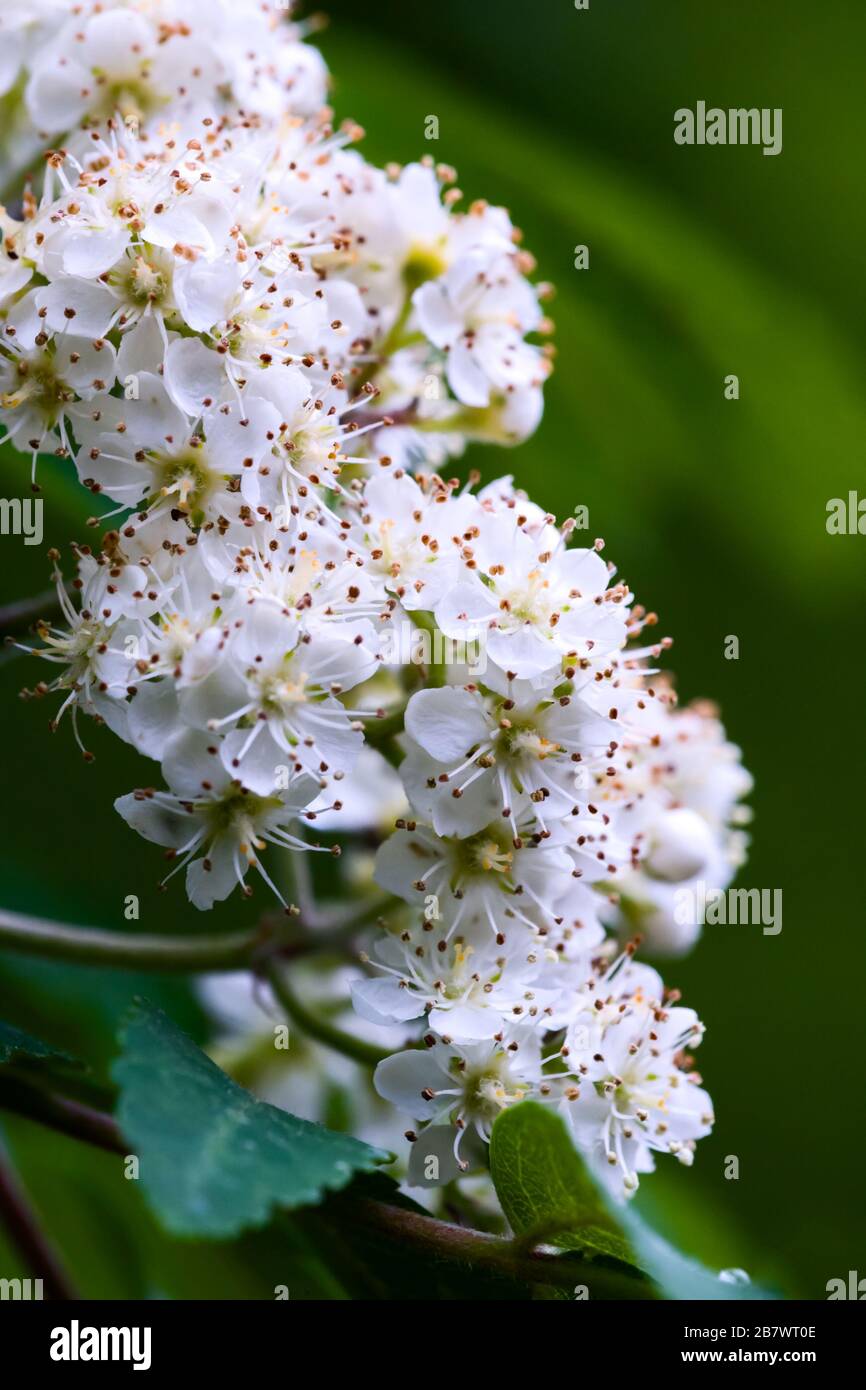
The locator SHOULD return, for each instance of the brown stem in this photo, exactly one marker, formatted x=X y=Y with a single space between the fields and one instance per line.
x=26 y=1234
x=68 y=1117
x=442 y=1240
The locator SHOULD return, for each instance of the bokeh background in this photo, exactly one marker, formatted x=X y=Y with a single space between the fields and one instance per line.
x=703 y=262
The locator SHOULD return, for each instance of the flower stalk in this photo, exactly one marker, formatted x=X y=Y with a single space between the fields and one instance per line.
x=161 y=953
x=316 y=1027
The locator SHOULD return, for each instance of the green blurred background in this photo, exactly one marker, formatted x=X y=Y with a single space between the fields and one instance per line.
x=703 y=262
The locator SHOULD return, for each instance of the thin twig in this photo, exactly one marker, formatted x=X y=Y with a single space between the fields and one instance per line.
x=68 y=1117
x=367 y=1054
x=26 y=1234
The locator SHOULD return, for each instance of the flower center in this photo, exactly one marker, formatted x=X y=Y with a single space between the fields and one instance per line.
x=491 y=1088
x=186 y=478
x=423 y=263
x=41 y=388
x=531 y=603
x=145 y=282
x=519 y=741
x=282 y=690
x=132 y=96
x=236 y=814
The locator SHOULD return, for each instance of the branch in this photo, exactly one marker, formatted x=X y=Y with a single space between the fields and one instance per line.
x=125 y=950
x=155 y=952
x=442 y=1240
x=26 y=1234
x=65 y=1116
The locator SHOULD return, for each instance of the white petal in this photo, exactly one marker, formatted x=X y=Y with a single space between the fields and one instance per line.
x=153 y=710
x=156 y=822
x=204 y=291
x=400 y=861
x=188 y=765
x=583 y=570
x=386 y=1001
x=11 y=55
x=437 y=317
x=259 y=769
x=117 y=42
x=525 y=652
x=141 y=349
x=94 y=250
x=208 y=886
x=465 y=611
x=86 y=366
x=402 y=1077
x=240 y=437
x=194 y=376
x=450 y=815
x=446 y=722
x=57 y=96
x=466 y=377
x=465 y=1023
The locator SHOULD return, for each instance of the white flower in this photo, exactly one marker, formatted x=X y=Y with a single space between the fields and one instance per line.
x=145 y=450
x=493 y=877
x=682 y=791
x=213 y=826
x=243 y=335
x=525 y=750
x=42 y=380
x=168 y=59
x=636 y=1095
x=535 y=605
x=290 y=680
x=414 y=531
x=466 y=1085
x=479 y=311
x=467 y=987
x=94 y=653
x=307 y=435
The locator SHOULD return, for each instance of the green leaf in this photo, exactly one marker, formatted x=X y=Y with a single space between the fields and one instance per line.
x=678 y=1275
x=545 y=1189
x=213 y=1159
x=17 y=1045
x=547 y=1192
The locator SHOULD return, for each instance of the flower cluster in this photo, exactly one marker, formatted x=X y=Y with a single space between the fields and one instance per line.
x=543 y=794
x=252 y=309
x=618 y=1072
x=685 y=786
x=260 y=351
x=65 y=67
